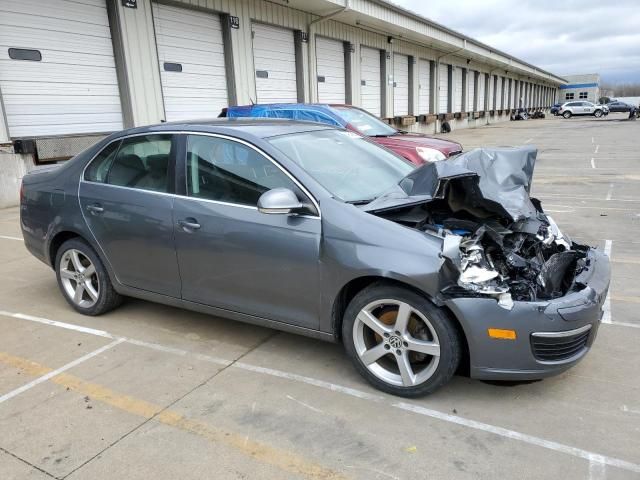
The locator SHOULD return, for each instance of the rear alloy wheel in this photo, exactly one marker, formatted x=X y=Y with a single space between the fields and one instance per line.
x=597 y=113
x=399 y=341
x=567 y=114
x=83 y=279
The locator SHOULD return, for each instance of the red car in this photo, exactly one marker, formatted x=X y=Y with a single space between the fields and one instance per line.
x=415 y=147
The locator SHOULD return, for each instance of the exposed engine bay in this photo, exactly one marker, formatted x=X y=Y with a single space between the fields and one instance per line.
x=497 y=241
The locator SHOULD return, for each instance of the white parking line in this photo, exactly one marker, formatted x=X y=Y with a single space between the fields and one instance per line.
x=527 y=141
x=597 y=148
x=606 y=307
x=594 y=459
x=593 y=163
x=58 y=371
x=6 y=237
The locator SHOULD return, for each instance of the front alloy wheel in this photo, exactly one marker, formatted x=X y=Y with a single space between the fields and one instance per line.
x=399 y=341
x=567 y=114
x=597 y=113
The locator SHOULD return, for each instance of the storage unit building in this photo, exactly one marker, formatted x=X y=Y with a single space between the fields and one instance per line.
x=424 y=86
x=191 y=61
x=400 y=84
x=370 y=80
x=57 y=68
x=331 y=70
x=274 y=60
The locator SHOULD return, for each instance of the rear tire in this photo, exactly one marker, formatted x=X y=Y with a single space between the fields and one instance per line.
x=567 y=114
x=83 y=279
x=399 y=341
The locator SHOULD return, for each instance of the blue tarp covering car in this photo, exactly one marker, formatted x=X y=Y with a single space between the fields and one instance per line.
x=292 y=111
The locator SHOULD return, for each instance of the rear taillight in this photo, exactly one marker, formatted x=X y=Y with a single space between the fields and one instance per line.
x=21 y=193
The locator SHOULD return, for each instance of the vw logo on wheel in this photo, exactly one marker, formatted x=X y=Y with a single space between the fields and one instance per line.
x=395 y=342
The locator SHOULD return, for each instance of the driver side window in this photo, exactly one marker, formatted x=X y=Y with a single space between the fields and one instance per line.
x=228 y=171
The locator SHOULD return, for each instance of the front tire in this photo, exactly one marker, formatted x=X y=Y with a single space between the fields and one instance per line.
x=597 y=113
x=83 y=279
x=399 y=341
x=567 y=114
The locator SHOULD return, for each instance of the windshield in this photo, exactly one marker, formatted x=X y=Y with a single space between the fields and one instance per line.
x=364 y=122
x=350 y=167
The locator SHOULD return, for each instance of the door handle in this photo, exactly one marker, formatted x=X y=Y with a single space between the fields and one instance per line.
x=189 y=224
x=95 y=208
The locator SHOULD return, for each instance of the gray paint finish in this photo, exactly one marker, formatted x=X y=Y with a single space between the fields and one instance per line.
x=282 y=271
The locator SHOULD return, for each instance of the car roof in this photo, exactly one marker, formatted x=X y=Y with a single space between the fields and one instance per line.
x=257 y=127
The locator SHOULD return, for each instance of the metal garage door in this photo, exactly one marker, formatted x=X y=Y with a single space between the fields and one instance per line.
x=443 y=90
x=481 y=96
x=471 y=90
x=400 y=84
x=499 y=93
x=330 y=69
x=424 y=86
x=191 y=56
x=370 y=89
x=57 y=72
x=274 y=60
x=457 y=96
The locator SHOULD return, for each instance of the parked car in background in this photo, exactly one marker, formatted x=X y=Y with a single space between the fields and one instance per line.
x=569 y=109
x=415 y=147
x=616 y=107
x=316 y=230
x=555 y=108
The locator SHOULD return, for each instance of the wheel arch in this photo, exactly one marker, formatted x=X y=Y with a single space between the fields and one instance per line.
x=356 y=285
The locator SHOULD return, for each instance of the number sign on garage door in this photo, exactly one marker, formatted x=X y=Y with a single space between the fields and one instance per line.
x=400 y=84
x=57 y=70
x=330 y=70
x=370 y=88
x=274 y=60
x=192 y=68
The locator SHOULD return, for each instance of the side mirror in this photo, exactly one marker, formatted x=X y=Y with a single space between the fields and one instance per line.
x=279 y=200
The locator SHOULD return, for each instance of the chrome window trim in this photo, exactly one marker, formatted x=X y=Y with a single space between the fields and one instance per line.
x=175 y=195
x=566 y=333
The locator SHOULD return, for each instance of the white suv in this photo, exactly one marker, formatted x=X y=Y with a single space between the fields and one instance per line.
x=582 y=108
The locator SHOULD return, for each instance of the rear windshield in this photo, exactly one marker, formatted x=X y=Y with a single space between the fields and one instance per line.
x=364 y=122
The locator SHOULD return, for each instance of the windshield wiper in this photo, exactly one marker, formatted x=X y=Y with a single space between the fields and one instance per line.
x=360 y=202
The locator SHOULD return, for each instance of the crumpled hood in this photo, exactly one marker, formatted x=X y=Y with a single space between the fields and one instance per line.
x=499 y=180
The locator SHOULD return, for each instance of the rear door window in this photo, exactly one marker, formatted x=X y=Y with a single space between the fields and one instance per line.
x=140 y=162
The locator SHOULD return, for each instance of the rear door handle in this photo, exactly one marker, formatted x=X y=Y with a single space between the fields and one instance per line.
x=189 y=224
x=95 y=208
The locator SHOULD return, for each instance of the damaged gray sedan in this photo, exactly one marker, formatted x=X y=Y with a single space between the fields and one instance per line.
x=317 y=231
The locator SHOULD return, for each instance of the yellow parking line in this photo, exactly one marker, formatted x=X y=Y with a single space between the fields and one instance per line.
x=260 y=452
x=625 y=298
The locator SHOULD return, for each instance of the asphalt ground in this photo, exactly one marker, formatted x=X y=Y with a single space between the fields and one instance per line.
x=149 y=391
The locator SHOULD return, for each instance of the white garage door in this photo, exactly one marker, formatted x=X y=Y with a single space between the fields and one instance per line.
x=191 y=56
x=457 y=96
x=499 y=94
x=424 y=86
x=370 y=88
x=330 y=68
x=57 y=71
x=471 y=90
x=274 y=60
x=400 y=84
x=443 y=94
x=481 y=92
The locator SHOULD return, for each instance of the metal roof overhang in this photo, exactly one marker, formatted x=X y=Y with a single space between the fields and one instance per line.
x=413 y=28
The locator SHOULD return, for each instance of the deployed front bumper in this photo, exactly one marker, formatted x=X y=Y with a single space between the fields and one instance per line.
x=551 y=336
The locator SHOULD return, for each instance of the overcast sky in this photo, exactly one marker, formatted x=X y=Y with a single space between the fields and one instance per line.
x=562 y=36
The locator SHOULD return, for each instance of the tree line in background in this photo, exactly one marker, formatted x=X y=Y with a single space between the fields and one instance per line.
x=621 y=89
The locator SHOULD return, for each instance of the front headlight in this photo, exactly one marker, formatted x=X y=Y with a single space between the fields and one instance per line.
x=430 y=154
